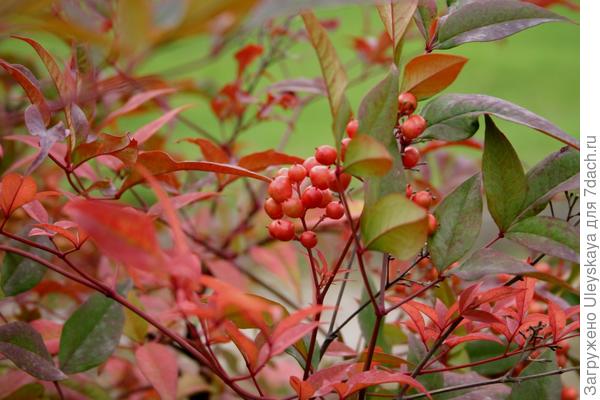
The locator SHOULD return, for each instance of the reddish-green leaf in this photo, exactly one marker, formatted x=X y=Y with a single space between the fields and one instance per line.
x=158 y=363
x=122 y=147
x=16 y=191
x=366 y=156
x=30 y=87
x=429 y=74
x=396 y=15
x=333 y=72
x=211 y=151
x=490 y=262
x=366 y=379
x=158 y=163
x=24 y=346
x=122 y=233
x=264 y=159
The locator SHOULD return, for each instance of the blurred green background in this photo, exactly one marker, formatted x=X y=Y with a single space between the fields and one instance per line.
x=537 y=69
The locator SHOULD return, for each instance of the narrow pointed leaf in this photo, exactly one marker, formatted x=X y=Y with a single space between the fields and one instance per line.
x=453 y=117
x=425 y=16
x=547 y=235
x=30 y=87
x=396 y=16
x=490 y=262
x=91 y=334
x=503 y=177
x=429 y=74
x=394 y=225
x=459 y=221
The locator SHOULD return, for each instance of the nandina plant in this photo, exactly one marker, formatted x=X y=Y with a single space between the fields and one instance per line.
x=130 y=271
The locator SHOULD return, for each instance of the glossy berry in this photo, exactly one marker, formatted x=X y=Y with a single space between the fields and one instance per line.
x=411 y=157
x=293 y=208
x=334 y=210
x=352 y=128
x=273 y=209
x=319 y=176
x=282 y=172
x=345 y=144
x=281 y=230
x=280 y=189
x=568 y=393
x=308 y=239
x=327 y=198
x=309 y=163
x=297 y=173
x=413 y=127
x=407 y=103
x=431 y=224
x=423 y=199
x=339 y=184
x=326 y=154
x=311 y=197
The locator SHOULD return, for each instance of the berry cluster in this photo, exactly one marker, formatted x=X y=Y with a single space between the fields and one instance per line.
x=424 y=199
x=301 y=187
x=412 y=126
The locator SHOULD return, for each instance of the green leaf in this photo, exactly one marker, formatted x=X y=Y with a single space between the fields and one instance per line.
x=366 y=156
x=488 y=20
x=503 y=177
x=426 y=13
x=453 y=117
x=19 y=274
x=490 y=262
x=333 y=72
x=557 y=173
x=396 y=16
x=24 y=346
x=459 y=222
x=91 y=334
x=31 y=391
x=547 y=388
x=394 y=225
x=135 y=326
x=90 y=390
x=482 y=350
x=548 y=235
x=416 y=352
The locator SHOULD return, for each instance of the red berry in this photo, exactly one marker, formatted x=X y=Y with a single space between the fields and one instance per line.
x=282 y=172
x=568 y=393
x=564 y=348
x=339 y=184
x=312 y=197
x=297 y=173
x=352 y=128
x=413 y=127
x=319 y=176
x=280 y=189
x=308 y=239
x=293 y=208
x=407 y=103
x=561 y=360
x=409 y=191
x=423 y=199
x=410 y=157
x=309 y=163
x=327 y=198
x=345 y=144
x=334 y=210
x=281 y=230
x=431 y=224
x=273 y=209
x=326 y=154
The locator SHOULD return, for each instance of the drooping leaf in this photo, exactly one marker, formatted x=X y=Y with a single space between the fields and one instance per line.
x=25 y=347
x=428 y=74
x=122 y=147
x=158 y=363
x=124 y=234
x=453 y=117
x=24 y=78
x=396 y=15
x=548 y=235
x=17 y=190
x=394 y=225
x=158 y=163
x=490 y=262
x=459 y=221
x=548 y=388
x=366 y=156
x=333 y=72
x=557 y=173
x=503 y=177
x=487 y=20
x=19 y=274
x=91 y=334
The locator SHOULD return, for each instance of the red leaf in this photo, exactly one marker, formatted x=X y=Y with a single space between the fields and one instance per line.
x=158 y=363
x=557 y=319
x=428 y=74
x=124 y=234
x=496 y=294
x=261 y=160
x=416 y=318
x=16 y=191
x=246 y=346
x=467 y=297
x=303 y=388
x=246 y=55
x=119 y=146
x=210 y=151
x=456 y=340
x=324 y=379
x=133 y=103
x=365 y=379
x=145 y=132
x=482 y=316
x=31 y=89
x=182 y=201
x=158 y=163
x=291 y=336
